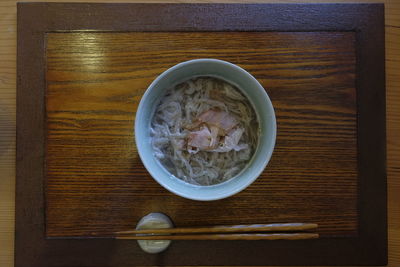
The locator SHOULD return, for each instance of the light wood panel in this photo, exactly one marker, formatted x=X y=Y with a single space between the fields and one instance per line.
x=7 y=124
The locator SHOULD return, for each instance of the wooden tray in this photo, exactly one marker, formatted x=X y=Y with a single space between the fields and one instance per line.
x=82 y=69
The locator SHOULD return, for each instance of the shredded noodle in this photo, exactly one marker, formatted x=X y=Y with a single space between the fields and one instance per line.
x=204 y=131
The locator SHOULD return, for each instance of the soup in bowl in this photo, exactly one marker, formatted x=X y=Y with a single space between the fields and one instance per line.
x=205 y=129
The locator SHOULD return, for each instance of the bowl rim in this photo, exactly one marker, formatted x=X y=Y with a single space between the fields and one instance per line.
x=237 y=189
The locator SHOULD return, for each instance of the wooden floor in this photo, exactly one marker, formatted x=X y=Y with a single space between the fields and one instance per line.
x=7 y=123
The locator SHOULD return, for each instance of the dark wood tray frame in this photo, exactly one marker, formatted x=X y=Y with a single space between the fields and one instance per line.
x=37 y=19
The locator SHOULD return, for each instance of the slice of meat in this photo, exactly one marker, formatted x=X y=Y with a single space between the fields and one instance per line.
x=233 y=137
x=220 y=119
x=231 y=141
x=201 y=139
x=214 y=136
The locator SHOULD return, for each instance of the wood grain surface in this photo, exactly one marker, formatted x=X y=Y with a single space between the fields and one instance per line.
x=96 y=183
x=369 y=247
x=7 y=124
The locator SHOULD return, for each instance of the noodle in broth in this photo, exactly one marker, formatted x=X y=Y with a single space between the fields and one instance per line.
x=204 y=131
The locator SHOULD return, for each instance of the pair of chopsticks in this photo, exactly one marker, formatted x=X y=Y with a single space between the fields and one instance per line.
x=276 y=231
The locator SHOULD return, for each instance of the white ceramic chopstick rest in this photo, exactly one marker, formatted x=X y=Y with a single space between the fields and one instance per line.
x=154 y=220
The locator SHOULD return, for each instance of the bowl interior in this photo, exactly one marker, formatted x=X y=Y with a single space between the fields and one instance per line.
x=244 y=82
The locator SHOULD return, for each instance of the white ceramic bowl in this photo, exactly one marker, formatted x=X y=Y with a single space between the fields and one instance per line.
x=249 y=87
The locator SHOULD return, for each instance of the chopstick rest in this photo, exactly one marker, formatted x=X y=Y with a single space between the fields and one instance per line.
x=153 y=221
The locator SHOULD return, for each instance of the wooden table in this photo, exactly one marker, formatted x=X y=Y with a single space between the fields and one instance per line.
x=7 y=128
